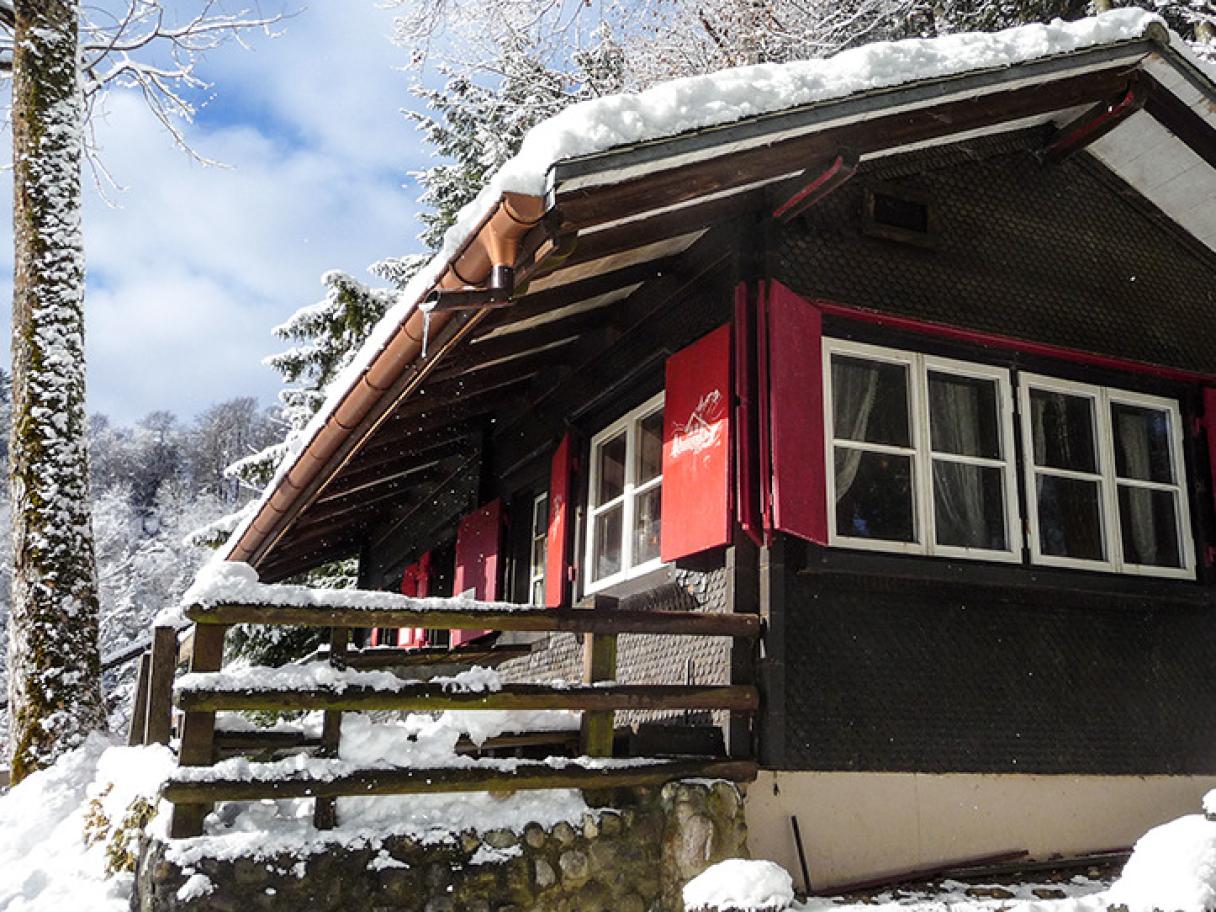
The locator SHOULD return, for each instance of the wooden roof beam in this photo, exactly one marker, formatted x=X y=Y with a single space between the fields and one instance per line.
x=1094 y=123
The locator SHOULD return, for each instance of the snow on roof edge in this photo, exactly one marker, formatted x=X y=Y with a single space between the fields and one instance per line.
x=696 y=102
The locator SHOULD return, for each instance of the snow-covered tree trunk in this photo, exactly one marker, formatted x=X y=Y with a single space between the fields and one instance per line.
x=55 y=695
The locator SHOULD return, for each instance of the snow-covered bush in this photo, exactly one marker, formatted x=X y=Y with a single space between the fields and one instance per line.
x=739 y=885
x=1173 y=867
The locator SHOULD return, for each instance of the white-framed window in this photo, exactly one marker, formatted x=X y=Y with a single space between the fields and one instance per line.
x=920 y=454
x=623 y=509
x=1105 y=479
x=538 y=551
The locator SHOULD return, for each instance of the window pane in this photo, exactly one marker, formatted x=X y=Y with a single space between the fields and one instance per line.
x=1142 y=443
x=606 y=559
x=1063 y=430
x=1070 y=518
x=963 y=415
x=538 y=592
x=874 y=495
x=540 y=516
x=611 y=469
x=870 y=401
x=969 y=506
x=1149 y=522
x=650 y=447
x=538 y=556
x=646 y=526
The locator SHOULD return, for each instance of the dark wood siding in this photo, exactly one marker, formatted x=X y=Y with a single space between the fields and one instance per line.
x=1062 y=254
x=895 y=665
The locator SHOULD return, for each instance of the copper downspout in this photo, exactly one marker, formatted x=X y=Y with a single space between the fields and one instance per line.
x=492 y=246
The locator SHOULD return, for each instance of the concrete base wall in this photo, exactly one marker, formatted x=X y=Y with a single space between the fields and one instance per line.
x=860 y=825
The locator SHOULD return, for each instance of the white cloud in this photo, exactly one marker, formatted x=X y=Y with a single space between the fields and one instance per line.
x=190 y=272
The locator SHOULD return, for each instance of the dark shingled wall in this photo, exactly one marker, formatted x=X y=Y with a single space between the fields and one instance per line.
x=646 y=659
x=1048 y=253
x=893 y=674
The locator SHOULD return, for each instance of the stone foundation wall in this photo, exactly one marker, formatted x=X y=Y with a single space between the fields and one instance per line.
x=634 y=855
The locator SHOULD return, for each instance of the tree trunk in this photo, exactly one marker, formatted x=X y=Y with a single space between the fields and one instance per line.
x=55 y=695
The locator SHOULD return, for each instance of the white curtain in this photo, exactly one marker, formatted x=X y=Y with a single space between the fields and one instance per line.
x=1132 y=437
x=959 y=493
x=854 y=389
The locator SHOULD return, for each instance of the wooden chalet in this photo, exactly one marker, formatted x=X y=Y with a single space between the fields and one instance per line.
x=922 y=376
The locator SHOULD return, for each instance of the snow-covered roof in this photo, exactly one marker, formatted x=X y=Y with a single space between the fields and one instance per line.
x=616 y=138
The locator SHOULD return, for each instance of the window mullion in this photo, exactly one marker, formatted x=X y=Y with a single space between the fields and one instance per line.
x=628 y=496
x=922 y=463
x=1110 y=487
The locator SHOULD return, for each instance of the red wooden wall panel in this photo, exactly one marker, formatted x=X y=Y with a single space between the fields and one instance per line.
x=478 y=560
x=416 y=582
x=557 y=544
x=696 y=494
x=1209 y=423
x=746 y=417
x=795 y=413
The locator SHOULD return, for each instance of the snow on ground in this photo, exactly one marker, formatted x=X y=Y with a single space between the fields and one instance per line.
x=45 y=865
x=748 y=886
x=265 y=828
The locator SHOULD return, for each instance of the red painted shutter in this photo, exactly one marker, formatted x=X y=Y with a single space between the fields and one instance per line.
x=415 y=582
x=795 y=412
x=478 y=552
x=1209 y=422
x=557 y=543
x=696 y=501
x=747 y=456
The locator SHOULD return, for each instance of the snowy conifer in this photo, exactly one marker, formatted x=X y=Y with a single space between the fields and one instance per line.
x=476 y=122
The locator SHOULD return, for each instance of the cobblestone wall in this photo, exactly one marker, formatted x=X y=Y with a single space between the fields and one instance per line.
x=634 y=856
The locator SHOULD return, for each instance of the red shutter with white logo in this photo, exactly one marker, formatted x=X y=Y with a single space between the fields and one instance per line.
x=557 y=542
x=696 y=499
x=478 y=560
x=795 y=415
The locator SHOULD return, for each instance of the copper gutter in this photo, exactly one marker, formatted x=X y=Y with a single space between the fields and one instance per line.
x=493 y=245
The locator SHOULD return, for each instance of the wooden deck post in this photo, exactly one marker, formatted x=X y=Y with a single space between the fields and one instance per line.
x=599 y=664
x=325 y=810
x=742 y=596
x=198 y=729
x=158 y=719
x=139 y=708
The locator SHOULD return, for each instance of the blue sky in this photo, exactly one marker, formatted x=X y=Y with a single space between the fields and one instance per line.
x=193 y=266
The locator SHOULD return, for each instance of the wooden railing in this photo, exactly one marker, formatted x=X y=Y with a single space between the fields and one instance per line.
x=192 y=790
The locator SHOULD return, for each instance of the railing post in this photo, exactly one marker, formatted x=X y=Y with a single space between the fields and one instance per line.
x=325 y=810
x=159 y=712
x=599 y=664
x=198 y=728
x=139 y=708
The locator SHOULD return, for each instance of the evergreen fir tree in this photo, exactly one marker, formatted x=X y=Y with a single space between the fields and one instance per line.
x=476 y=125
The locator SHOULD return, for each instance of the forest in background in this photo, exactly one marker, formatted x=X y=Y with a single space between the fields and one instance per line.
x=155 y=484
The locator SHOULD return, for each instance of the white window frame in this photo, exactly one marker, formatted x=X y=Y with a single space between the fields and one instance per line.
x=536 y=574
x=628 y=423
x=920 y=450
x=1112 y=533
